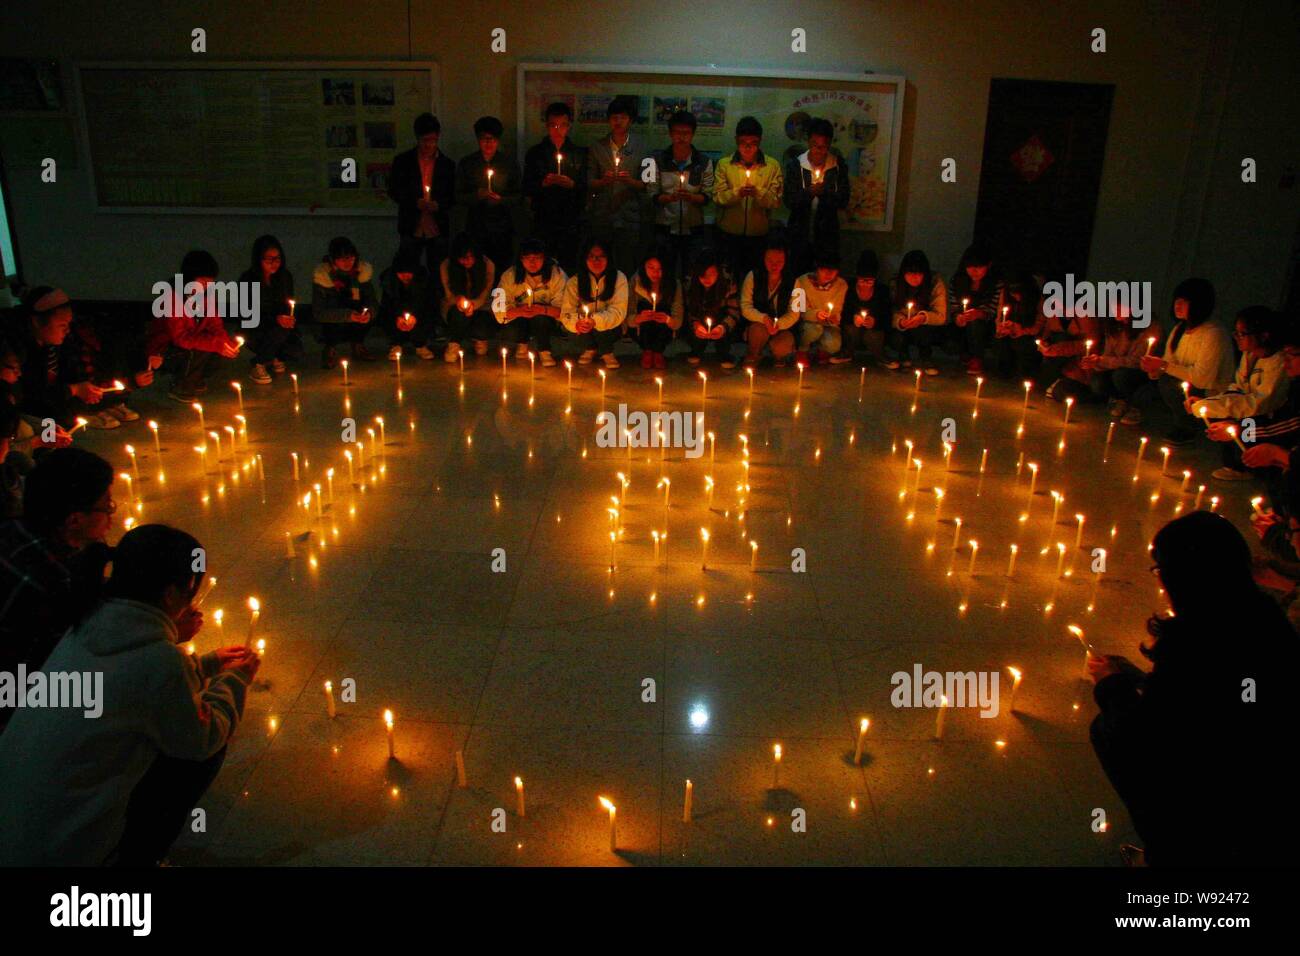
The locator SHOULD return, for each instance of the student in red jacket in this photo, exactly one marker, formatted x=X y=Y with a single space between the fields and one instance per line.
x=195 y=330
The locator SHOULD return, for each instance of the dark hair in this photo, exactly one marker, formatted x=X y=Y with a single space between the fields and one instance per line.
x=700 y=301
x=407 y=260
x=683 y=118
x=778 y=304
x=584 y=273
x=151 y=558
x=339 y=247
x=915 y=261
x=533 y=246
x=425 y=124
x=466 y=283
x=748 y=126
x=868 y=264
x=668 y=282
x=821 y=127
x=1024 y=312
x=825 y=257
x=976 y=254
x=64 y=482
x=627 y=105
x=260 y=246
x=1261 y=323
x=1199 y=294
x=558 y=109
x=489 y=126
x=198 y=263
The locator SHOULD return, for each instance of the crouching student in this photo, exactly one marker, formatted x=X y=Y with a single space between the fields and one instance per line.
x=1020 y=321
x=56 y=382
x=113 y=783
x=656 y=310
x=194 y=327
x=343 y=301
x=594 y=308
x=973 y=299
x=920 y=310
x=275 y=285
x=1120 y=349
x=867 y=314
x=824 y=292
x=712 y=309
x=468 y=278
x=406 y=305
x=533 y=290
x=765 y=306
x=1062 y=344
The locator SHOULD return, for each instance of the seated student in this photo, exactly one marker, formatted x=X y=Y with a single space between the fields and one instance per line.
x=1156 y=729
x=56 y=378
x=118 y=789
x=423 y=184
x=487 y=198
x=406 y=305
x=29 y=434
x=765 y=306
x=105 y=345
x=1120 y=349
x=817 y=189
x=711 y=309
x=867 y=313
x=277 y=320
x=52 y=558
x=1197 y=351
x=1276 y=435
x=920 y=309
x=193 y=328
x=1260 y=389
x=973 y=298
x=534 y=292
x=747 y=186
x=656 y=310
x=1020 y=321
x=555 y=185
x=593 y=309
x=683 y=188
x=343 y=301
x=824 y=292
x=468 y=278
x=615 y=202
x=1062 y=343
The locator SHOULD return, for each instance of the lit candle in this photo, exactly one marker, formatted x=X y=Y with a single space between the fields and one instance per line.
x=1151 y=342
x=776 y=766
x=753 y=555
x=320 y=514
x=1232 y=430
x=686 y=805
x=293 y=377
x=294 y=455
x=750 y=372
x=1142 y=447
x=984 y=458
x=613 y=537
x=1069 y=406
x=938 y=717
x=917 y=390
x=130 y=494
x=1187 y=477
x=979 y=384
x=1025 y=408
x=800 y=366
x=654 y=301
x=1011 y=564
x=135 y=467
x=863 y=724
x=388 y=723
x=655 y=535
x=974 y=551
x=1200 y=493
x=344 y=363
x=1214 y=503
x=910 y=306
x=490 y=171
x=532 y=366
x=329 y=700
x=203 y=457
x=239 y=390
x=255 y=611
x=613 y=825
x=157 y=447
x=1015 y=686
x=199 y=408
x=346 y=454
x=1164 y=463
x=1033 y=478
x=216 y=437
x=947 y=456
x=601 y=373
x=938 y=503
x=383 y=435
x=704 y=387
x=519 y=796
x=1057 y=498
x=1087 y=347
x=1078 y=535
x=704 y=548
x=956 y=533
x=568 y=367
x=1255 y=504
x=559 y=160
x=660 y=382
x=964 y=304
x=1087 y=648
x=80 y=423
x=503 y=362
x=1060 y=558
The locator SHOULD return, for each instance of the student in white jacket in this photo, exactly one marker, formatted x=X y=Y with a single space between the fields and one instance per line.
x=114 y=783
x=594 y=307
x=532 y=291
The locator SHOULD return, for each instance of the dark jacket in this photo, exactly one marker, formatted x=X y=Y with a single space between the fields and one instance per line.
x=406 y=188
x=483 y=218
x=415 y=298
x=799 y=201
x=555 y=205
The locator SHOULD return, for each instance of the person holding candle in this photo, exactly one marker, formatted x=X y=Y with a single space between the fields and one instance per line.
x=712 y=308
x=275 y=287
x=1269 y=455
x=920 y=301
x=1121 y=348
x=487 y=198
x=1062 y=344
x=1019 y=322
x=1156 y=730
x=617 y=191
x=867 y=313
x=656 y=310
x=680 y=193
x=534 y=292
x=747 y=188
x=343 y=301
x=593 y=308
x=117 y=790
x=765 y=298
x=974 y=296
x=406 y=305
x=192 y=328
x=555 y=186
x=423 y=184
x=824 y=292
x=468 y=278
x=816 y=191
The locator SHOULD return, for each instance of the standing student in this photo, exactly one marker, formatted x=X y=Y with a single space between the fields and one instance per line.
x=973 y=298
x=765 y=303
x=655 y=311
x=555 y=185
x=824 y=291
x=1020 y=321
x=191 y=327
x=867 y=313
x=343 y=301
x=683 y=187
x=423 y=184
x=920 y=310
x=487 y=198
x=406 y=305
x=275 y=289
x=118 y=789
x=468 y=278
x=533 y=289
x=711 y=308
x=817 y=189
x=1121 y=349
x=594 y=307
x=747 y=187
x=617 y=190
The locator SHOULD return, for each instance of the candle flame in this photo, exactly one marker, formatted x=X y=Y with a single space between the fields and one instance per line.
x=254 y=604
x=388 y=719
x=604 y=802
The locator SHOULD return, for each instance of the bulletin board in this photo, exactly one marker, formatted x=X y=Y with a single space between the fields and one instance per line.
x=249 y=137
x=865 y=109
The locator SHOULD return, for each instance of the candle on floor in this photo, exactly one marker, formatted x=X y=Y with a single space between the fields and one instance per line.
x=288 y=545
x=1057 y=498
x=1142 y=447
x=216 y=438
x=753 y=555
x=294 y=455
x=383 y=435
x=938 y=717
x=503 y=362
x=329 y=700
x=947 y=456
x=708 y=488
x=320 y=514
x=704 y=549
x=938 y=503
x=344 y=363
x=157 y=447
x=655 y=536
x=239 y=390
x=613 y=825
x=686 y=804
x=388 y=724
x=199 y=408
x=776 y=766
x=1187 y=478
x=1025 y=408
x=917 y=389
x=568 y=367
x=613 y=537
x=974 y=551
x=956 y=533
x=293 y=377
x=1069 y=406
x=863 y=724
x=1214 y=503
x=1015 y=686
x=984 y=460
x=800 y=367
x=130 y=491
x=135 y=465
x=255 y=611
x=1200 y=493
x=908 y=465
x=346 y=454
x=750 y=373
x=1087 y=648
x=1011 y=564
x=203 y=457
x=1164 y=464
x=1033 y=478
x=1060 y=558
x=1078 y=536
x=519 y=796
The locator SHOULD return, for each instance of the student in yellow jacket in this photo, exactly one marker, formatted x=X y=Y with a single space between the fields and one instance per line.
x=747 y=186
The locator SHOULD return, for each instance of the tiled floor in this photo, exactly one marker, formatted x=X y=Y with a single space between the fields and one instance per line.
x=583 y=682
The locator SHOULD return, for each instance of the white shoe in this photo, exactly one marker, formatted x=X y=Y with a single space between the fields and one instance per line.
x=586 y=357
x=122 y=413
x=424 y=352
x=452 y=353
x=394 y=353
x=548 y=360
x=609 y=360
x=103 y=420
x=521 y=350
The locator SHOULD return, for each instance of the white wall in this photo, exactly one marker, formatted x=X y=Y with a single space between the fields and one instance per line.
x=1199 y=85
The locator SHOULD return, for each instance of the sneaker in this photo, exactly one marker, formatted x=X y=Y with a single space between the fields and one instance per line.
x=394 y=353
x=277 y=367
x=586 y=357
x=1230 y=474
x=361 y=353
x=647 y=359
x=480 y=346
x=693 y=359
x=660 y=361
x=548 y=360
x=610 y=361
x=521 y=350
x=1054 y=391
x=931 y=370
x=123 y=413
x=103 y=420
x=259 y=375
x=728 y=362
x=841 y=358
x=1132 y=417
x=1117 y=408
x=891 y=364
x=424 y=352
x=328 y=358
x=452 y=353
x=184 y=396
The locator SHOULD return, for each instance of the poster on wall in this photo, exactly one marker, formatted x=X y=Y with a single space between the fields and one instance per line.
x=865 y=111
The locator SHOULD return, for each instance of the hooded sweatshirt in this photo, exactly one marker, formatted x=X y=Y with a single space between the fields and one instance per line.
x=68 y=778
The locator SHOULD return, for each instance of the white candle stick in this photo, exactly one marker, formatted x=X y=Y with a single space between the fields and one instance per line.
x=939 y=715
x=613 y=824
x=1011 y=564
x=956 y=533
x=974 y=552
x=344 y=363
x=704 y=549
x=329 y=700
x=1142 y=447
x=776 y=766
x=1015 y=686
x=388 y=724
x=519 y=796
x=1078 y=536
x=863 y=724
x=686 y=803
x=199 y=408
x=239 y=390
